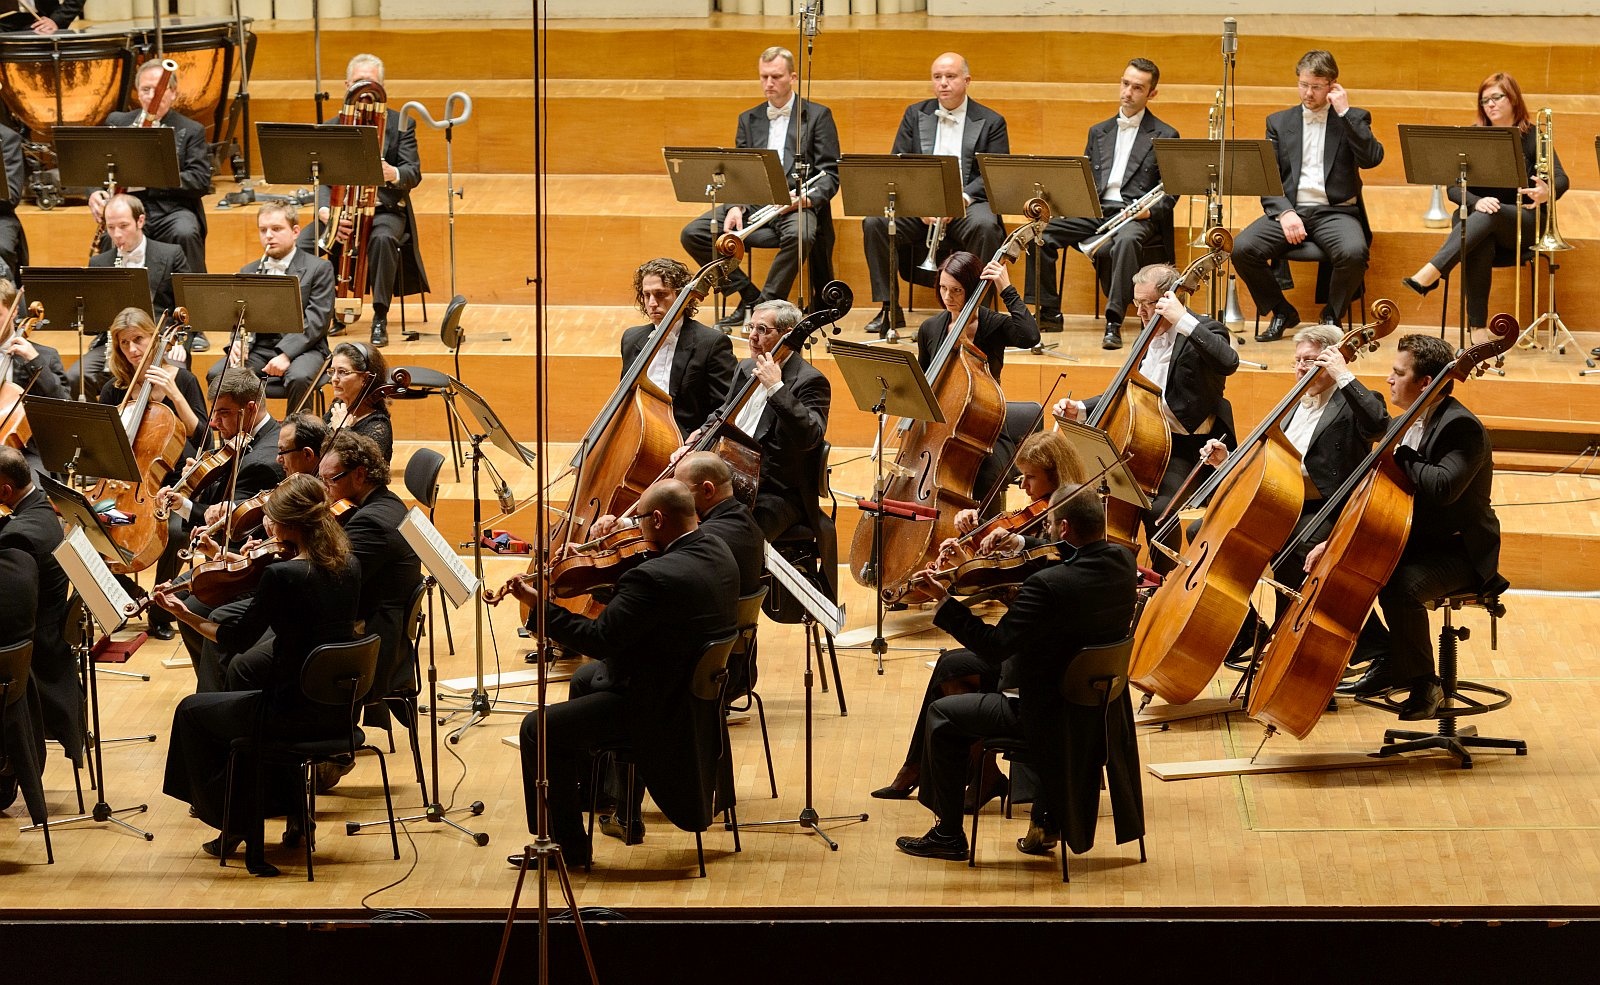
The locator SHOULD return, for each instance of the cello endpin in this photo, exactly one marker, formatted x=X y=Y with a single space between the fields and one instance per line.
x=1271 y=730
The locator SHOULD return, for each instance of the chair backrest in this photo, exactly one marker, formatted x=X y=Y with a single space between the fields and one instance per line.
x=749 y=612
x=712 y=668
x=415 y=617
x=1097 y=673
x=15 y=661
x=337 y=673
x=422 y=477
x=825 y=477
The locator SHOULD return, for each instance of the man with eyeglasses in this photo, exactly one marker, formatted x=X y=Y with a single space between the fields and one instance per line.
x=1322 y=146
x=695 y=363
x=1189 y=358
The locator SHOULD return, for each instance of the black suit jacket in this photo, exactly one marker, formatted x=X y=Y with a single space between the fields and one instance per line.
x=995 y=332
x=52 y=376
x=821 y=140
x=1348 y=147
x=1354 y=418
x=983 y=133
x=316 y=279
x=702 y=365
x=650 y=636
x=732 y=522
x=23 y=738
x=63 y=12
x=1453 y=476
x=390 y=573
x=1087 y=600
x=194 y=168
x=34 y=528
x=16 y=180
x=161 y=261
x=1141 y=174
x=1202 y=361
x=258 y=470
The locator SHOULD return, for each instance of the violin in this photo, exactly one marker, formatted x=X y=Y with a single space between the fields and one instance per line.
x=218 y=582
x=990 y=575
x=202 y=470
x=582 y=574
x=1015 y=522
x=14 y=428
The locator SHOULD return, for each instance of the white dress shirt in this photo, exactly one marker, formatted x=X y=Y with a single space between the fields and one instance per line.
x=660 y=371
x=952 y=127
x=279 y=267
x=1127 y=130
x=749 y=416
x=778 y=125
x=1413 y=436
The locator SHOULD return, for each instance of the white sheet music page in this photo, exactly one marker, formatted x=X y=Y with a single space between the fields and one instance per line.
x=457 y=580
x=106 y=597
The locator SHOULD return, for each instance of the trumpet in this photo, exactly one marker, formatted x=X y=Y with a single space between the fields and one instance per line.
x=935 y=237
x=1092 y=245
x=760 y=217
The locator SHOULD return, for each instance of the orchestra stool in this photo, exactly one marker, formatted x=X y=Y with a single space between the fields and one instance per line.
x=707 y=689
x=422 y=482
x=15 y=662
x=1458 y=694
x=1095 y=677
x=1308 y=252
x=406 y=283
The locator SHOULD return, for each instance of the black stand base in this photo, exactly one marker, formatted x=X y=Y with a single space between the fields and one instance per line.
x=433 y=814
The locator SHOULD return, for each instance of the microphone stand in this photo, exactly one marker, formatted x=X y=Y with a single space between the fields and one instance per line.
x=802 y=167
x=1214 y=195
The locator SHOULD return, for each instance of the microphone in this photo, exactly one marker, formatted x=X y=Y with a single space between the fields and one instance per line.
x=502 y=491
x=808 y=19
x=1230 y=36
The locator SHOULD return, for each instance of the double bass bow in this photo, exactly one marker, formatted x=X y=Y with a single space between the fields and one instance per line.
x=937 y=464
x=1193 y=617
x=1130 y=408
x=1311 y=645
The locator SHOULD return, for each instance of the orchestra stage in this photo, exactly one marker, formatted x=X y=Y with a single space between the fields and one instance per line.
x=1412 y=866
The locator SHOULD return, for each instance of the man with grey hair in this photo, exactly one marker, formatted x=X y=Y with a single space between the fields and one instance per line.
x=1189 y=358
x=771 y=125
x=392 y=222
x=954 y=125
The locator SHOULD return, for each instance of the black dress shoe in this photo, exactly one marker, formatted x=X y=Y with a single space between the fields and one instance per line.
x=951 y=848
x=336 y=328
x=1423 y=702
x=162 y=631
x=1113 y=339
x=1376 y=680
x=380 y=330
x=735 y=319
x=1050 y=320
x=198 y=342
x=889 y=316
x=1424 y=291
x=1282 y=321
x=1037 y=841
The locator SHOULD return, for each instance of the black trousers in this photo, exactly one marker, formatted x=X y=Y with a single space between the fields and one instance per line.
x=1115 y=263
x=383 y=254
x=1487 y=234
x=782 y=234
x=11 y=243
x=1336 y=229
x=297 y=380
x=573 y=729
x=177 y=226
x=91 y=369
x=1425 y=572
x=979 y=232
x=954 y=723
x=952 y=666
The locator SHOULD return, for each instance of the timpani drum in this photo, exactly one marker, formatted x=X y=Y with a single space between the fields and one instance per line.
x=205 y=52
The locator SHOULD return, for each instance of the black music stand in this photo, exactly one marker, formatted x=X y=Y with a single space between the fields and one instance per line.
x=1214 y=168
x=77 y=438
x=1065 y=183
x=84 y=300
x=913 y=186
x=884 y=382
x=318 y=154
x=480 y=424
x=1100 y=454
x=133 y=157
x=238 y=300
x=727 y=174
x=1488 y=156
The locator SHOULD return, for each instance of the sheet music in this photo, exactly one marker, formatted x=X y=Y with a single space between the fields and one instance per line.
x=457 y=580
x=94 y=581
x=829 y=616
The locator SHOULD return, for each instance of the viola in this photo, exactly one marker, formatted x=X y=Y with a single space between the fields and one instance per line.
x=14 y=428
x=204 y=469
x=218 y=582
x=582 y=574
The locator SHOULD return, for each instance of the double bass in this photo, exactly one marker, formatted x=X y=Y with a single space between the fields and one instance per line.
x=1311 y=646
x=937 y=464
x=632 y=439
x=158 y=438
x=1130 y=408
x=1194 y=616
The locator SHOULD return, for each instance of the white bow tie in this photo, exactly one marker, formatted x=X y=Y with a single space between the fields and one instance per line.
x=1310 y=117
x=1125 y=123
x=774 y=113
x=948 y=115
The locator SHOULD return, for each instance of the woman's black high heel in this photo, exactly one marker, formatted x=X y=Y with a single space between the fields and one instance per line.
x=1424 y=291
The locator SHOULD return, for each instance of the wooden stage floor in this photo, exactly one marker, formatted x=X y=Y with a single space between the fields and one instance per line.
x=1513 y=832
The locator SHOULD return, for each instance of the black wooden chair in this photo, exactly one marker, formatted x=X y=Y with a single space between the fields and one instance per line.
x=742 y=673
x=16 y=729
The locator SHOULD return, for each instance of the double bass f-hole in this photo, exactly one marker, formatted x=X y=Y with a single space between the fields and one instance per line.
x=1308 y=597
x=1197 y=569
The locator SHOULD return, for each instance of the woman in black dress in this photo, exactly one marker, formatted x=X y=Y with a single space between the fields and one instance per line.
x=357 y=370
x=132 y=334
x=960 y=274
x=306 y=602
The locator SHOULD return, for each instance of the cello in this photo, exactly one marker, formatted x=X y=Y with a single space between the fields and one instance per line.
x=1311 y=646
x=1194 y=616
x=158 y=439
x=1130 y=408
x=632 y=439
x=937 y=464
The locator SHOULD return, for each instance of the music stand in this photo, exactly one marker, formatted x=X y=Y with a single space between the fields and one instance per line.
x=1488 y=156
x=730 y=174
x=84 y=300
x=133 y=157
x=884 y=382
x=1214 y=167
x=77 y=438
x=488 y=427
x=318 y=154
x=1100 y=454
x=913 y=186
x=1065 y=183
x=237 y=300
